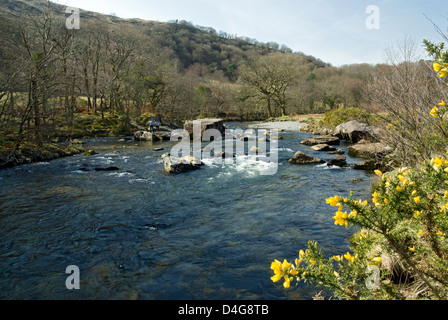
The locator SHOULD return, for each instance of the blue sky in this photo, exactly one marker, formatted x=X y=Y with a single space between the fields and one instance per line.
x=332 y=30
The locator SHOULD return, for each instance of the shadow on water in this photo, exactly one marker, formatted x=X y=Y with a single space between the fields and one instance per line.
x=138 y=233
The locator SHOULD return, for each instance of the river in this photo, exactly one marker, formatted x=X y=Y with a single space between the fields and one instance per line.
x=139 y=233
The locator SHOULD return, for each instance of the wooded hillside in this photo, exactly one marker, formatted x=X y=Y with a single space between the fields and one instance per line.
x=115 y=70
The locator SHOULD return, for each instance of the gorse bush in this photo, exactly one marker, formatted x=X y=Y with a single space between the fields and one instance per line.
x=335 y=117
x=400 y=249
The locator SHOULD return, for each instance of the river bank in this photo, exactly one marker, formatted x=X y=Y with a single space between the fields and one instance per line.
x=11 y=156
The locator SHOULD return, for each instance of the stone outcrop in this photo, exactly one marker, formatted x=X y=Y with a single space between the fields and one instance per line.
x=354 y=131
x=173 y=165
x=154 y=137
x=143 y=136
x=303 y=158
x=369 y=151
x=329 y=140
x=365 y=165
x=204 y=125
x=365 y=143
x=323 y=147
x=339 y=161
x=255 y=150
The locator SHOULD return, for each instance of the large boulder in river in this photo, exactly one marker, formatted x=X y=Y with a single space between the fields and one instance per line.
x=204 y=125
x=339 y=161
x=329 y=140
x=173 y=165
x=354 y=131
x=154 y=137
x=303 y=158
x=145 y=136
x=369 y=150
x=366 y=165
x=255 y=150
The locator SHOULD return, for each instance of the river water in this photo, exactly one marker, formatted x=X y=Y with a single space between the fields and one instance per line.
x=138 y=233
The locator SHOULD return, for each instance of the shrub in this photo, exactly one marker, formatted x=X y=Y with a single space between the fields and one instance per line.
x=402 y=235
x=334 y=118
x=400 y=249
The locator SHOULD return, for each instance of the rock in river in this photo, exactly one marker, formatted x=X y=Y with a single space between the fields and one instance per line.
x=354 y=131
x=144 y=136
x=108 y=169
x=339 y=161
x=366 y=165
x=173 y=165
x=329 y=140
x=203 y=125
x=303 y=158
x=369 y=150
x=148 y=136
x=255 y=150
x=323 y=147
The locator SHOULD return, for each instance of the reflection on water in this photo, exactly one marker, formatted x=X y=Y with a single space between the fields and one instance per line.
x=138 y=233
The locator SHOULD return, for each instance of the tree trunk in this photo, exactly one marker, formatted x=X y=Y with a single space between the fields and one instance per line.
x=36 y=111
x=269 y=107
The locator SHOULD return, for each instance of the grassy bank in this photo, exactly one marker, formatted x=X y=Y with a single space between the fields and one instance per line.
x=60 y=138
x=28 y=152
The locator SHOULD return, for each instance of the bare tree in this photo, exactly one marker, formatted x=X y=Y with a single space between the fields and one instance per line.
x=270 y=77
x=406 y=89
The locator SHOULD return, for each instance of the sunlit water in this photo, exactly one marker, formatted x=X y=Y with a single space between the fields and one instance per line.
x=141 y=234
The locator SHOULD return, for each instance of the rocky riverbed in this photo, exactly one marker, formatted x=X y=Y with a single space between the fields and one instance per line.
x=130 y=230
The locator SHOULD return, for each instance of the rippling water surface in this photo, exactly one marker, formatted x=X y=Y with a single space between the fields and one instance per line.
x=138 y=233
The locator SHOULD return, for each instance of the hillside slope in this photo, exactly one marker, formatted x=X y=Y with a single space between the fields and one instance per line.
x=180 y=40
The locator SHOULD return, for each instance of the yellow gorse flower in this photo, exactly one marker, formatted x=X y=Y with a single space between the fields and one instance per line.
x=276 y=278
x=377 y=260
x=349 y=257
x=438 y=162
x=287 y=283
x=375 y=196
x=281 y=270
x=437 y=67
x=338 y=258
x=435 y=112
x=276 y=266
x=443 y=73
x=285 y=265
x=334 y=202
x=341 y=219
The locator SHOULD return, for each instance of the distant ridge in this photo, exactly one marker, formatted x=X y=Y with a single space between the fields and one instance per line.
x=180 y=39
